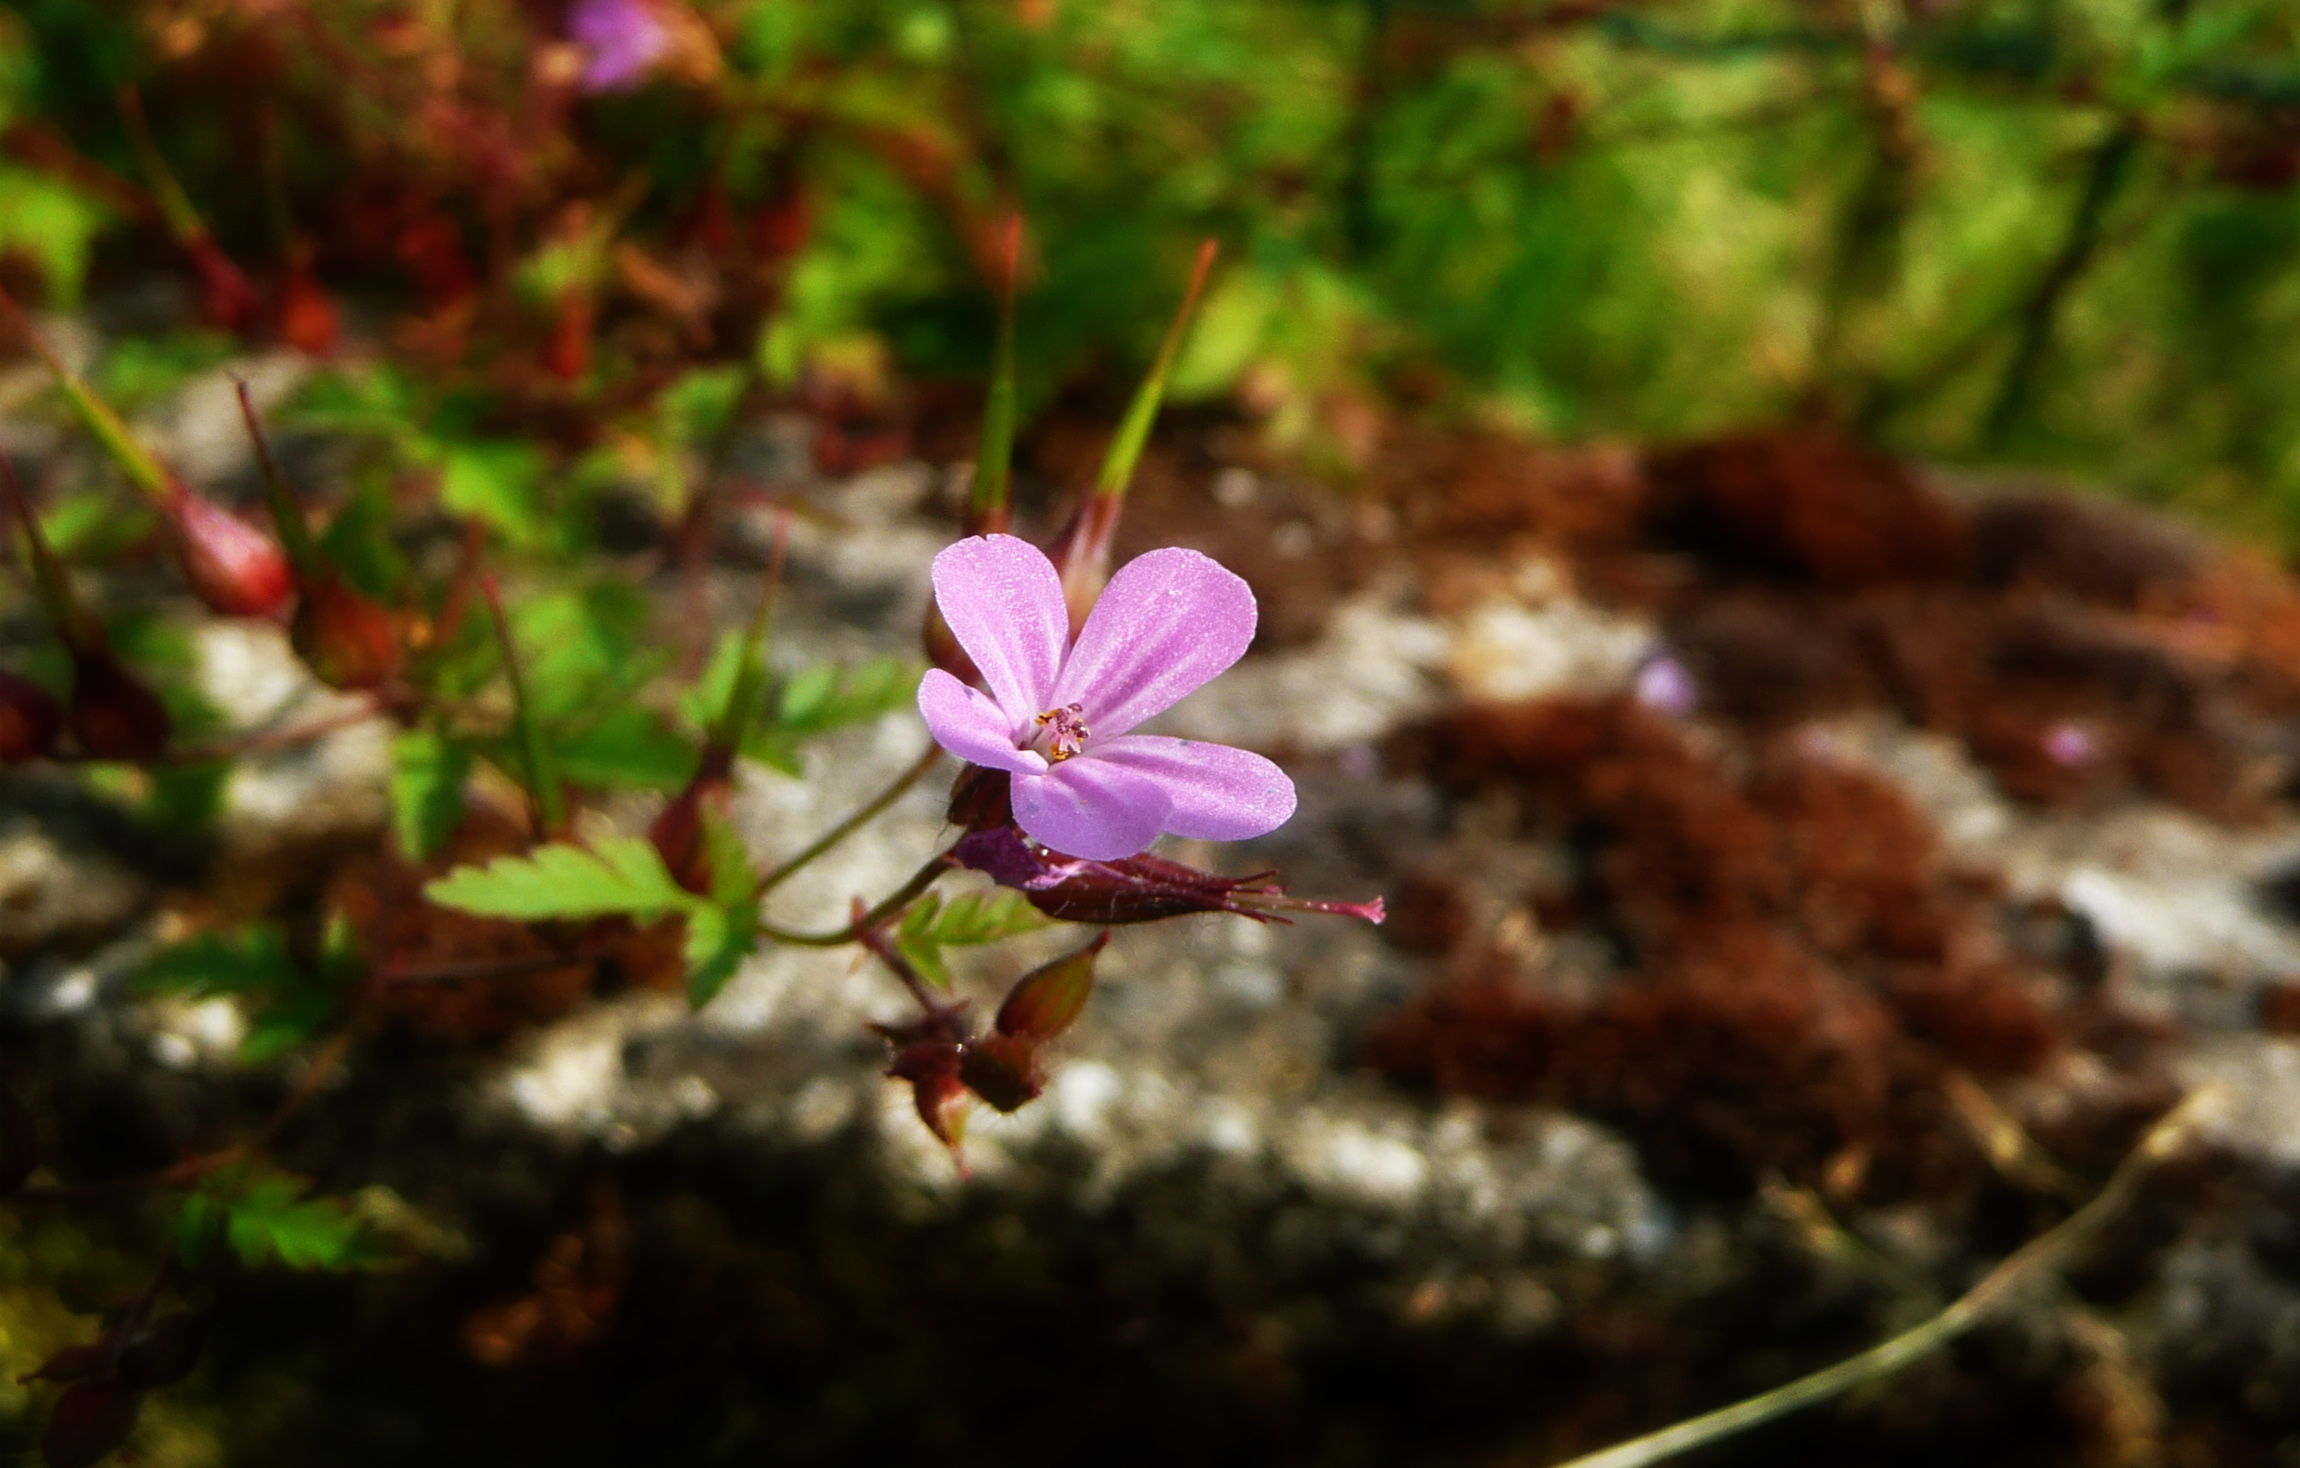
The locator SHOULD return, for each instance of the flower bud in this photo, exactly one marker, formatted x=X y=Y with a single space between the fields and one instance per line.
x=677 y=834
x=1047 y=1000
x=1135 y=889
x=233 y=567
x=932 y=1068
x=30 y=720
x=1003 y=1070
x=347 y=640
x=112 y=712
x=309 y=321
x=982 y=800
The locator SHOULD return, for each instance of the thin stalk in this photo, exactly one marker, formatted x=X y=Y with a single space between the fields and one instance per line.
x=542 y=772
x=1134 y=428
x=136 y=461
x=901 y=898
x=50 y=581
x=2041 y=1255
x=184 y=221
x=295 y=534
x=751 y=678
x=987 y=512
x=869 y=812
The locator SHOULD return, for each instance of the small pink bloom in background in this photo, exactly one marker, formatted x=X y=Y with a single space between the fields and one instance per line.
x=624 y=39
x=1665 y=687
x=2070 y=747
x=1059 y=716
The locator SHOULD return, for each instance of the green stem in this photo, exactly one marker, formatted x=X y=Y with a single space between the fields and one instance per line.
x=50 y=581
x=184 y=221
x=542 y=773
x=1134 y=429
x=2041 y=1255
x=750 y=688
x=994 y=459
x=901 y=898
x=148 y=474
x=869 y=812
x=295 y=534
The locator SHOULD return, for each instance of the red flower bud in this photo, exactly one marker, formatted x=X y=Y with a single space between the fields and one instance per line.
x=348 y=641
x=309 y=321
x=1135 y=889
x=112 y=713
x=677 y=833
x=931 y=1067
x=30 y=720
x=233 y=567
x=91 y=1419
x=1003 y=1070
x=1047 y=1000
x=227 y=299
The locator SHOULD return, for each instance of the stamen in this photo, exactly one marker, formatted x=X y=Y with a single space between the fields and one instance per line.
x=1066 y=732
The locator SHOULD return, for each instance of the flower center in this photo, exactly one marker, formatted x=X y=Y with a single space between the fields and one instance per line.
x=1066 y=732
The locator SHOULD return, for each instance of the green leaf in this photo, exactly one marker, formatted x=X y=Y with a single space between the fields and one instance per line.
x=584 y=650
x=718 y=940
x=253 y=960
x=358 y=542
x=968 y=920
x=828 y=697
x=427 y=775
x=629 y=749
x=266 y=1215
x=618 y=875
x=500 y=482
x=733 y=878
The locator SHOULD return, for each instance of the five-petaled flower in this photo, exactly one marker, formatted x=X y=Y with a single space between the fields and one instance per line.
x=1059 y=716
x=625 y=39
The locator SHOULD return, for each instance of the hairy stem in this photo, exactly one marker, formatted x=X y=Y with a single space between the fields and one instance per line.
x=901 y=898
x=2041 y=1255
x=869 y=812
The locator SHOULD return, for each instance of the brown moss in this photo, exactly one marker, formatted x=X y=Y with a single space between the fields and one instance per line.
x=1806 y=506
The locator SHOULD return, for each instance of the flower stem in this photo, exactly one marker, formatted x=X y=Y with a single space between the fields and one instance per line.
x=542 y=773
x=901 y=898
x=287 y=514
x=869 y=812
x=993 y=459
x=2041 y=1255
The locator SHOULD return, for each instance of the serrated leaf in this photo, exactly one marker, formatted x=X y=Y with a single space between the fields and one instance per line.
x=629 y=749
x=266 y=1215
x=825 y=696
x=718 y=940
x=427 y=775
x=616 y=875
x=728 y=860
x=968 y=920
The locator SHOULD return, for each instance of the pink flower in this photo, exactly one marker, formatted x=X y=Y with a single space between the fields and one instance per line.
x=625 y=38
x=1058 y=716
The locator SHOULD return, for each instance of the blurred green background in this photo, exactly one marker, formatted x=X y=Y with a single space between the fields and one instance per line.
x=2057 y=233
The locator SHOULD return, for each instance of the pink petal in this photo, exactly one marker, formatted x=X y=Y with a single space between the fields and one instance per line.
x=1218 y=793
x=1169 y=621
x=1003 y=600
x=971 y=726
x=1091 y=808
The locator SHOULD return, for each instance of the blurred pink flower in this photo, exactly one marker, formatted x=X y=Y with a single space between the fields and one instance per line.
x=1665 y=687
x=1058 y=716
x=624 y=39
x=2070 y=746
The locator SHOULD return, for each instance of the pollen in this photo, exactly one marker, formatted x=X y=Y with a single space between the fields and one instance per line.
x=1066 y=732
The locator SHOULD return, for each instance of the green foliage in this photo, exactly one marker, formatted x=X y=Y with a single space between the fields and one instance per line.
x=622 y=876
x=427 y=775
x=286 y=1001
x=615 y=876
x=814 y=701
x=965 y=921
x=265 y=1215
